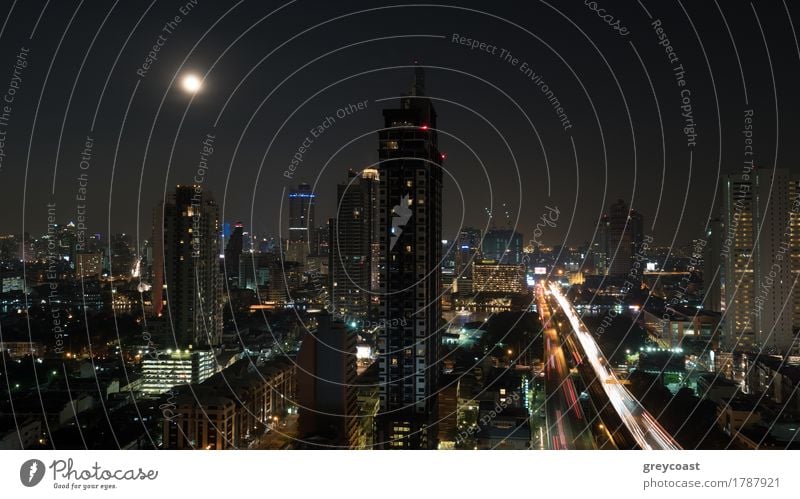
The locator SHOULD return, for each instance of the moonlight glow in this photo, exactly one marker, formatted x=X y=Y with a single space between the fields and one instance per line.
x=191 y=83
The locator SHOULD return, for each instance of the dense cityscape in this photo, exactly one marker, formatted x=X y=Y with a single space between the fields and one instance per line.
x=351 y=308
x=368 y=330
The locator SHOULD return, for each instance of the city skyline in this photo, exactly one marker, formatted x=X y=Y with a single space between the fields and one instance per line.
x=377 y=226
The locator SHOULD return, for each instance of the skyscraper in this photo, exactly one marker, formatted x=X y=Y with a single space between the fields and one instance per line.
x=301 y=221
x=233 y=252
x=187 y=280
x=410 y=227
x=468 y=246
x=352 y=239
x=738 y=247
x=621 y=233
x=760 y=260
x=775 y=287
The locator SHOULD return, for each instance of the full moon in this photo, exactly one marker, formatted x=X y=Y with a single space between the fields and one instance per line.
x=191 y=83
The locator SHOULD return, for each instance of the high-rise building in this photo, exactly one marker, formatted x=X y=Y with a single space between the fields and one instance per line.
x=468 y=248
x=233 y=252
x=503 y=245
x=409 y=235
x=352 y=237
x=737 y=259
x=760 y=261
x=301 y=223
x=187 y=284
x=621 y=233
x=326 y=390
x=775 y=287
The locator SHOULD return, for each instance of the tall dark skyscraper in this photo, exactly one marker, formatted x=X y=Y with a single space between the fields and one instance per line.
x=187 y=281
x=352 y=238
x=409 y=237
x=621 y=233
x=233 y=252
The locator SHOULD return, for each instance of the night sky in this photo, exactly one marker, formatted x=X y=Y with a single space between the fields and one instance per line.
x=273 y=71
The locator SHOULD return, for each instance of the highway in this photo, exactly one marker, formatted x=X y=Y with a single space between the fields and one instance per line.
x=644 y=429
x=566 y=423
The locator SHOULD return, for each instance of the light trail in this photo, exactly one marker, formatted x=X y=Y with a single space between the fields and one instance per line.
x=647 y=432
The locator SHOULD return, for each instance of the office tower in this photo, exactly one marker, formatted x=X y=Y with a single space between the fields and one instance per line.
x=503 y=245
x=301 y=222
x=233 y=252
x=187 y=281
x=163 y=371
x=326 y=390
x=468 y=247
x=350 y=262
x=301 y=212
x=621 y=232
x=410 y=230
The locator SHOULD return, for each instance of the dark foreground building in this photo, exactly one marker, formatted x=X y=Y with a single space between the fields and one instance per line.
x=410 y=231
